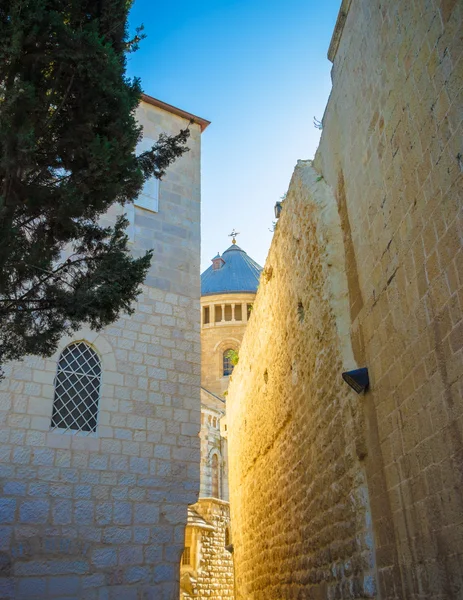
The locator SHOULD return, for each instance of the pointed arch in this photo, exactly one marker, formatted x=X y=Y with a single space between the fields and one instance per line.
x=77 y=388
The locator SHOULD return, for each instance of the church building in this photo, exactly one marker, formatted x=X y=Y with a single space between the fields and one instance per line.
x=228 y=289
x=99 y=447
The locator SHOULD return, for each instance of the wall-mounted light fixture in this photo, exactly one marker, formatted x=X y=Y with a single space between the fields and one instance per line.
x=358 y=379
x=278 y=209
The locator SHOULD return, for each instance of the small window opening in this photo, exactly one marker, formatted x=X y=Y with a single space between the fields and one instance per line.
x=218 y=313
x=206 y=315
x=238 y=315
x=228 y=312
x=227 y=537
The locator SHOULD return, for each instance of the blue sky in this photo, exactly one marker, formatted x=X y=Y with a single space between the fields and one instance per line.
x=258 y=70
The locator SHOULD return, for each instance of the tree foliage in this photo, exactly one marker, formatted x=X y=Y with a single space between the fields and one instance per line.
x=67 y=153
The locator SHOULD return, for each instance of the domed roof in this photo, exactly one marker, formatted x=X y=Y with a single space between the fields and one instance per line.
x=231 y=273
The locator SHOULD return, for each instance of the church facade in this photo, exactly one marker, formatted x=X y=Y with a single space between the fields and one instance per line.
x=228 y=289
x=99 y=447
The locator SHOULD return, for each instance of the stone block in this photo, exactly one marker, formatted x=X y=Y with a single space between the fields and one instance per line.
x=34 y=511
x=7 y=510
x=32 y=587
x=146 y=513
x=60 y=587
x=122 y=513
x=103 y=558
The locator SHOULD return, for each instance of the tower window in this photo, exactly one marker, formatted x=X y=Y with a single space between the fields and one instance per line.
x=227 y=363
x=218 y=313
x=77 y=389
x=206 y=315
x=228 y=312
x=238 y=316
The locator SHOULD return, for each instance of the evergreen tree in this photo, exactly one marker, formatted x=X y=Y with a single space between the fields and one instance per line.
x=67 y=153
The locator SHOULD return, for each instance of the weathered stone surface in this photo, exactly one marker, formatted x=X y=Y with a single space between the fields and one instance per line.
x=94 y=516
x=335 y=495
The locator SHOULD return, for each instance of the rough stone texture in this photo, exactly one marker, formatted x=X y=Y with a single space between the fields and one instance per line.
x=215 y=577
x=209 y=573
x=103 y=515
x=299 y=503
x=366 y=270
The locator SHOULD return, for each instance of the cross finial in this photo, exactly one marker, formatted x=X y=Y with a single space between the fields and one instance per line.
x=233 y=235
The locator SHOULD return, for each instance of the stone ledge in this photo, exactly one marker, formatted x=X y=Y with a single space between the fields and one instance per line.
x=338 y=29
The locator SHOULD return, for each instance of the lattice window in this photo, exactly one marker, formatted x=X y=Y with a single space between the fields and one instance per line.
x=77 y=389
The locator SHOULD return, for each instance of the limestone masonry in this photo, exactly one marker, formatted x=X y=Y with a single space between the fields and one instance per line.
x=94 y=504
x=228 y=289
x=333 y=494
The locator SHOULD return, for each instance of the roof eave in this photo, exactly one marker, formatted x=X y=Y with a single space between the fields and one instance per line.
x=203 y=123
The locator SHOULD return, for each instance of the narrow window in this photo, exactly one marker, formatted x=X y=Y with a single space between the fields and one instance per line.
x=227 y=363
x=218 y=313
x=215 y=476
x=227 y=537
x=77 y=389
x=238 y=316
x=186 y=558
x=206 y=315
x=228 y=312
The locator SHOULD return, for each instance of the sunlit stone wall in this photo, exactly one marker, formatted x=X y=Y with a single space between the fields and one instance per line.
x=333 y=494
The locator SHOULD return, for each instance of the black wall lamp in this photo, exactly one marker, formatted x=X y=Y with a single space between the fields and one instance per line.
x=358 y=379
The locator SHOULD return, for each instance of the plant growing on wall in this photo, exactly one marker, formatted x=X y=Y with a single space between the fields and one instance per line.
x=233 y=356
x=67 y=153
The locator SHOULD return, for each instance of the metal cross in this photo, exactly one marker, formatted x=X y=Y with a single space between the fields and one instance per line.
x=233 y=235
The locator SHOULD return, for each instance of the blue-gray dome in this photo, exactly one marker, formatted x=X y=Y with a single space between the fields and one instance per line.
x=232 y=273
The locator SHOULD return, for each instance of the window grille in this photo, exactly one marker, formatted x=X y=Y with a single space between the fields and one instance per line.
x=77 y=389
x=227 y=364
x=186 y=558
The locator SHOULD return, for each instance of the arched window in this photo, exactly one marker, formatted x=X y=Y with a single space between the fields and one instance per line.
x=77 y=389
x=227 y=363
x=215 y=476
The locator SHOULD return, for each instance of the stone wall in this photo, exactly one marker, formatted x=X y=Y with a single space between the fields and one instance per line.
x=333 y=494
x=103 y=515
x=215 y=574
x=299 y=504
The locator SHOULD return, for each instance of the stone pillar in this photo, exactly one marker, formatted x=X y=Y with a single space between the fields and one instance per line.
x=223 y=313
x=233 y=312
x=244 y=312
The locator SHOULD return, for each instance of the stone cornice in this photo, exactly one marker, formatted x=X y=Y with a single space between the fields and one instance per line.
x=338 y=29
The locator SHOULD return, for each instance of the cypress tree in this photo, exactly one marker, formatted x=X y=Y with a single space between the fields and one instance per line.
x=67 y=153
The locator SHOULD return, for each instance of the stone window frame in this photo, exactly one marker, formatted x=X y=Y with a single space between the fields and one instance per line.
x=220 y=348
x=110 y=376
x=216 y=452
